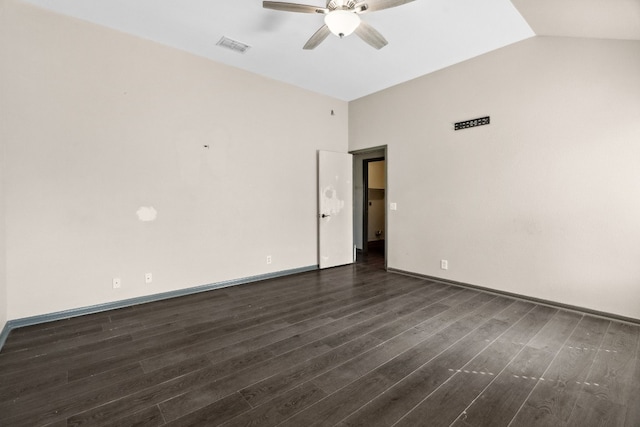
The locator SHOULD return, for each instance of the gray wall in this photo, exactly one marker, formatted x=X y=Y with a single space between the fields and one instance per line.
x=104 y=126
x=545 y=200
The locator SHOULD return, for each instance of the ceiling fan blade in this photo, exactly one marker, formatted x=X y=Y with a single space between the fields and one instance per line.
x=293 y=7
x=373 y=5
x=317 y=38
x=370 y=35
x=357 y=6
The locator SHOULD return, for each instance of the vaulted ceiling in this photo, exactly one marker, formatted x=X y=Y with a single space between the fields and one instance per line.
x=423 y=36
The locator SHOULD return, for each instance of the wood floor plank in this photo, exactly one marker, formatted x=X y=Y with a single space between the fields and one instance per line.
x=435 y=317
x=499 y=403
x=33 y=397
x=214 y=414
x=214 y=376
x=14 y=388
x=67 y=335
x=122 y=355
x=55 y=363
x=141 y=311
x=58 y=326
x=351 y=345
x=265 y=390
x=280 y=408
x=448 y=401
x=350 y=398
x=609 y=389
x=554 y=396
x=195 y=398
x=632 y=415
x=73 y=344
x=56 y=405
x=248 y=304
x=293 y=326
x=149 y=417
x=16 y=361
x=388 y=408
x=205 y=307
x=414 y=318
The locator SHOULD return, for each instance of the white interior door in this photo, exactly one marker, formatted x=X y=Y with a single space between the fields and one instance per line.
x=335 y=205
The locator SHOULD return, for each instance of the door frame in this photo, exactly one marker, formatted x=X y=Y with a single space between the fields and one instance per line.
x=385 y=157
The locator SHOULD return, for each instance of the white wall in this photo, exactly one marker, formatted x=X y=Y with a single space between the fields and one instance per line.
x=542 y=202
x=3 y=126
x=102 y=124
x=545 y=200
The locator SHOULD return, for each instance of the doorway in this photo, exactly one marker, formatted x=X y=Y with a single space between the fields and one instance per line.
x=373 y=229
x=370 y=206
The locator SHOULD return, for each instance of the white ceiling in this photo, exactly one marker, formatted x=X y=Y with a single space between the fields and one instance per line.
x=424 y=36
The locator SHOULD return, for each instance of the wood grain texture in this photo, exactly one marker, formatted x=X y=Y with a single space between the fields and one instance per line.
x=355 y=395
x=409 y=392
x=555 y=394
x=467 y=382
x=280 y=408
x=503 y=398
x=609 y=392
x=347 y=346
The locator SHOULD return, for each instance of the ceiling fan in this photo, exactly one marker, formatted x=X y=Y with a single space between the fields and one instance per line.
x=341 y=17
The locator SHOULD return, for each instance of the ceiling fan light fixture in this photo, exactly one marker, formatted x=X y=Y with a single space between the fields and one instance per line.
x=342 y=22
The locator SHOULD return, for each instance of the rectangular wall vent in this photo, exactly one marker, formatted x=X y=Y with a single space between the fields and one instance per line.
x=233 y=45
x=472 y=123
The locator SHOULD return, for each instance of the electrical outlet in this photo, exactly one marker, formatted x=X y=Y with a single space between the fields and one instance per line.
x=268 y=259
x=116 y=283
x=444 y=264
x=148 y=278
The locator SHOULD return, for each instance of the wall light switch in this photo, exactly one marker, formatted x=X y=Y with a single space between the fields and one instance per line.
x=393 y=206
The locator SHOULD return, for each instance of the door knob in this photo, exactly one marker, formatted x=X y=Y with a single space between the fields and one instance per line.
x=325 y=215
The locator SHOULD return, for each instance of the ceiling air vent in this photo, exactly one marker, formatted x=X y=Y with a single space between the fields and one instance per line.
x=233 y=45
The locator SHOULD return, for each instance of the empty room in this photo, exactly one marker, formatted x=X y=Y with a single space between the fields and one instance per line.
x=329 y=213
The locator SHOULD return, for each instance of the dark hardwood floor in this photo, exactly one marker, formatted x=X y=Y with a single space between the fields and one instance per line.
x=347 y=346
